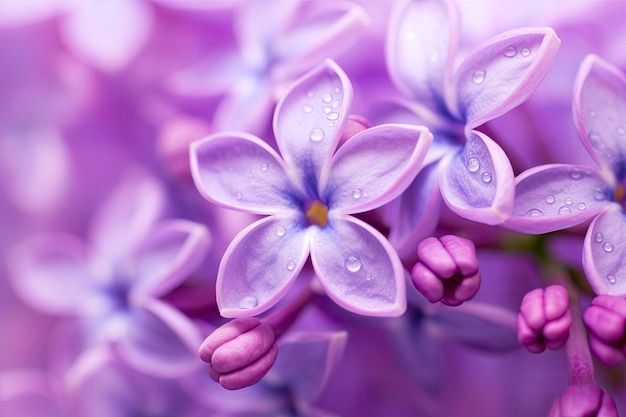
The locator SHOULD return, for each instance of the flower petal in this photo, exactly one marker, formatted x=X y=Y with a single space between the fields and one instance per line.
x=87 y=31
x=307 y=361
x=557 y=196
x=374 y=167
x=50 y=272
x=603 y=253
x=170 y=252
x=160 y=340
x=599 y=108
x=27 y=11
x=240 y=171
x=358 y=268
x=421 y=46
x=477 y=182
x=260 y=265
x=28 y=393
x=309 y=120
x=502 y=73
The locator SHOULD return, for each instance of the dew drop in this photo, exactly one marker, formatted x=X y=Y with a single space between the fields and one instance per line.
x=582 y=206
x=333 y=116
x=569 y=201
x=479 y=77
x=608 y=247
x=264 y=166
x=249 y=301
x=316 y=134
x=310 y=94
x=576 y=174
x=486 y=177
x=550 y=199
x=611 y=278
x=534 y=212
x=331 y=124
x=565 y=210
x=291 y=265
x=598 y=194
x=238 y=195
x=510 y=51
x=473 y=164
x=337 y=90
x=591 y=113
x=525 y=52
x=327 y=98
x=335 y=104
x=353 y=264
x=594 y=139
x=621 y=130
x=281 y=231
x=308 y=109
x=356 y=194
x=327 y=110
x=599 y=237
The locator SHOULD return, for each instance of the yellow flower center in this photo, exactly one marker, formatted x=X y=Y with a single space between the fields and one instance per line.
x=317 y=214
x=619 y=193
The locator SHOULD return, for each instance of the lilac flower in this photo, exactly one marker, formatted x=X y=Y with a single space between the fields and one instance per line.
x=606 y=321
x=447 y=270
x=309 y=195
x=557 y=196
x=544 y=319
x=113 y=284
x=277 y=41
x=474 y=174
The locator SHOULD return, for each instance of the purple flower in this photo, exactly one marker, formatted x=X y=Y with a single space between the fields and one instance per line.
x=606 y=321
x=557 y=196
x=447 y=270
x=114 y=282
x=474 y=174
x=583 y=401
x=544 y=319
x=309 y=195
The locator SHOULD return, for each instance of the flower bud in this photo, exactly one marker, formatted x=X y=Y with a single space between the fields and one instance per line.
x=584 y=401
x=544 y=319
x=606 y=320
x=447 y=270
x=240 y=352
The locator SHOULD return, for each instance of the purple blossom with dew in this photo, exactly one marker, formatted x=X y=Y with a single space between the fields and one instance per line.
x=310 y=195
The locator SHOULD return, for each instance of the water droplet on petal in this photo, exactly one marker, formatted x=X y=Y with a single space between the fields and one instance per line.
x=335 y=104
x=291 y=265
x=333 y=116
x=565 y=210
x=576 y=174
x=353 y=264
x=534 y=212
x=611 y=278
x=356 y=194
x=281 y=231
x=608 y=247
x=473 y=164
x=569 y=201
x=316 y=134
x=591 y=113
x=479 y=77
x=264 y=166
x=525 y=52
x=327 y=110
x=582 y=206
x=310 y=94
x=249 y=301
x=550 y=199
x=594 y=139
x=510 y=51
x=238 y=195
x=327 y=98
x=486 y=177
x=621 y=130
x=599 y=194
x=599 y=237
x=307 y=108
x=337 y=90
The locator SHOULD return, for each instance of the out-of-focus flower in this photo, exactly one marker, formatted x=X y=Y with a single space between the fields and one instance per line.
x=557 y=196
x=606 y=320
x=584 y=401
x=114 y=282
x=474 y=174
x=447 y=270
x=544 y=319
x=309 y=195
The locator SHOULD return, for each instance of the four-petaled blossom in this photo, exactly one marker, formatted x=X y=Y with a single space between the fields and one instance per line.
x=606 y=320
x=474 y=175
x=309 y=195
x=584 y=401
x=544 y=319
x=557 y=196
x=447 y=270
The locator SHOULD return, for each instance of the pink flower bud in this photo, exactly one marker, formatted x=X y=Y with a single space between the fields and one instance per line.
x=584 y=401
x=606 y=321
x=355 y=124
x=544 y=319
x=447 y=270
x=240 y=352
